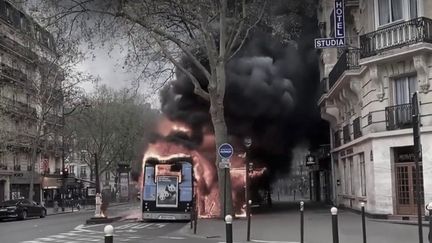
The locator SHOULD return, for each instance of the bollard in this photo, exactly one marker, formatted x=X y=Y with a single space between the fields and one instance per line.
x=229 y=233
x=191 y=219
x=109 y=234
x=195 y=221
x=334 y=212
x=301 y=222
x=363 y=221
x=429 y=208
x=430 y=225
x=248 y=219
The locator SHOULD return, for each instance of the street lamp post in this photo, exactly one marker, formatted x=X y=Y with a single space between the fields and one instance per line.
x=249 y=168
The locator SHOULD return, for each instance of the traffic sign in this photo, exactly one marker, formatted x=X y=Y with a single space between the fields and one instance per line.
x=226 y=151
x=224 y=164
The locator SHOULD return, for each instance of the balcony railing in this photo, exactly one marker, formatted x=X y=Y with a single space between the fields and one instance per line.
x=17 y=107
x=395 y=36
x=323 y=151
x=357 y=128
x=347 y=61
x=17 y=167
x=398 y=117
x=346 y=134
x=12 y=46
x=13 y=73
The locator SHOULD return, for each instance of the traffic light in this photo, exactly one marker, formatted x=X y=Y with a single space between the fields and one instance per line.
x=65 y=173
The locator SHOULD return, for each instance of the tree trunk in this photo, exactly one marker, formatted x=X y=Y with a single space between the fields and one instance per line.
x=32 y=171
x=96 y=161
x=34 y=149
x=216 y=93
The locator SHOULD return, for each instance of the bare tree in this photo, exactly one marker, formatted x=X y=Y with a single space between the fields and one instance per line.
x=110 y=129
x=54 y=84
x=208 y=33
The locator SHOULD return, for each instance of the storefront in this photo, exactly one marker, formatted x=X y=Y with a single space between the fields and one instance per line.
x=20 y=186
x=4 y=186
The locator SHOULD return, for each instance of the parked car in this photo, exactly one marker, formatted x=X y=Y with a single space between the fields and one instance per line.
x=21 y=209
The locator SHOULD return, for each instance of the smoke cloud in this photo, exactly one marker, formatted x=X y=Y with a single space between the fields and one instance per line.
x=270 y=96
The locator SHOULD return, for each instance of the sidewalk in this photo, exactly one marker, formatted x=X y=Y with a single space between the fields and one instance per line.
x=86 y=208
x=282 y=224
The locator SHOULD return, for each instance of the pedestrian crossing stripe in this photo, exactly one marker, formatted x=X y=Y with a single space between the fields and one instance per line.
x=83 y=233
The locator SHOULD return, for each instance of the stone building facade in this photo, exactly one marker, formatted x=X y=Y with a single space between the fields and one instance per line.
x=25 y=50
x=366 y=98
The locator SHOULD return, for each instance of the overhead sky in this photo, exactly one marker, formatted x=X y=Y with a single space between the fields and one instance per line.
x=108 y=66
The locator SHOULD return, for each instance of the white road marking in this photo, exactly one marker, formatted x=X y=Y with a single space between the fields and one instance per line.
x=87 y=233
x=273 y=241
x=172 y=237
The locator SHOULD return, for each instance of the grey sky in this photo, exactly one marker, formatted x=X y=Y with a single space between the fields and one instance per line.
x=108 y=66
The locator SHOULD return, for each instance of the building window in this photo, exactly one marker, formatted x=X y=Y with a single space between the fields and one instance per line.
x=71 y=169
x=17 y=166
x=107 y=176
x=83 y=171
x=345 y=177
x=362 y=174
x=351 y=177
x=404 y=88
x=413 y=9
x=390 y=11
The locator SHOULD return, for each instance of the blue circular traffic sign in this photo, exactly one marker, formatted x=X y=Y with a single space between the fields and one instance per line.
x=226 y=151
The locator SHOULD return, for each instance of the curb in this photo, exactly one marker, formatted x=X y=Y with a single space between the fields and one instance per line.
x=424 y=223
x=85 y=209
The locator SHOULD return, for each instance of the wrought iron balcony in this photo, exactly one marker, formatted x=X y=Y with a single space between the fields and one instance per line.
x=347 y=61
x=17 y=107
x=398 y=117
x=13 y=74
x=357 y=128
x=16 y=48
x=395 y=36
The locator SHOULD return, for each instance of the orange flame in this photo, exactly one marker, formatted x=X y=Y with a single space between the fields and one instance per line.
x=205 y=170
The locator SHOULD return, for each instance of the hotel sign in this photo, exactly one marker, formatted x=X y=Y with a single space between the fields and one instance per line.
x=339 y=31
x=339 y=19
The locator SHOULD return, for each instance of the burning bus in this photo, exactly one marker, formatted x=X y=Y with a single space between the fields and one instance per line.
x=168 y=188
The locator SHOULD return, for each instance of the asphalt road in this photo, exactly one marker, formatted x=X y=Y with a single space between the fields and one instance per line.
x=70 y=228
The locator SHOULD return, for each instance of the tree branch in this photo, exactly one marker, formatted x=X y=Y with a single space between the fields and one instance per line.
x=197 y=87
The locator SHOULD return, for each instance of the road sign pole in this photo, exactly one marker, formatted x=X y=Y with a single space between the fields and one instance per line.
x=225 y=151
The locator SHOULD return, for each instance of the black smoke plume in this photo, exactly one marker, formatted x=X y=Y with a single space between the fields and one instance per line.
x=271 y=96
